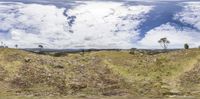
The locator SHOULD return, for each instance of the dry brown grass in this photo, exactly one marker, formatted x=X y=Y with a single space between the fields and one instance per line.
x=107 y=73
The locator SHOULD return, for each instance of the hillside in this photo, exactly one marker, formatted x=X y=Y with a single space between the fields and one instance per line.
x=100 y=73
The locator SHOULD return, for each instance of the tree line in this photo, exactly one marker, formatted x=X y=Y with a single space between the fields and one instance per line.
x=164 y=42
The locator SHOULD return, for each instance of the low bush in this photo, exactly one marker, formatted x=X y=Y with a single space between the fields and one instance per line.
x=3 y=73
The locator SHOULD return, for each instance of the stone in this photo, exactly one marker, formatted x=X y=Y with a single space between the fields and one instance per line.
x=27 y=59
x=58 y=66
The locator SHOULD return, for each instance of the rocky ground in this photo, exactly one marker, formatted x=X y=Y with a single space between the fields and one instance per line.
x=100 y=73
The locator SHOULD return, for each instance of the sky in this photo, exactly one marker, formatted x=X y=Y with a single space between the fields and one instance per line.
x=99 y=24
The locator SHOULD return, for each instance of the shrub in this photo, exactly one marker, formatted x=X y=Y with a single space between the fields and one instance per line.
x=59 y=54
x=132 y=50
x=186 y=46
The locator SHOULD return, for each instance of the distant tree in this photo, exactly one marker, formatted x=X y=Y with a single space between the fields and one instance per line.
x=186 y=46
x=16 y=46
x=1 y=46
x=5 y=46
x=164 y=42
x=132 y=50
x=83 y=52
x=41 y=47
x=1 y=43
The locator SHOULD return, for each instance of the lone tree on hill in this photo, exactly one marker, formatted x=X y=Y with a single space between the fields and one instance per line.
x=164 y=42
x=41 y=47
x=16 y=46
x=186 y=46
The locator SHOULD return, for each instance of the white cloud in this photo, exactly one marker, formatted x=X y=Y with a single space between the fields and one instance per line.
x=94 y=27
x=176 y=37
x=190 y=14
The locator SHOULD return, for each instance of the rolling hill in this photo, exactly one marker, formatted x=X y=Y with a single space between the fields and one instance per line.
x=100 y=73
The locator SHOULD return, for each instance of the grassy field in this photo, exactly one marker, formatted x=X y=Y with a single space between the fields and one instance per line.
x=101 y=75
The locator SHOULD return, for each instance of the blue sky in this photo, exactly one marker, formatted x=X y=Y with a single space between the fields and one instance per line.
x=99 y=24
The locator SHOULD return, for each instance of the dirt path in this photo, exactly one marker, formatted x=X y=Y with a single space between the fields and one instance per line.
x=119 y=70
x=174 y=80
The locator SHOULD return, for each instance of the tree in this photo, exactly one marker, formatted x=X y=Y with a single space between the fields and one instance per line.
x=1 y=46
x=5 y=46
x=132 y=50
x=164 y=42
x=83 y=52
x=1 y=43
x=40 y=46
x=186 y=46
x=16 y=46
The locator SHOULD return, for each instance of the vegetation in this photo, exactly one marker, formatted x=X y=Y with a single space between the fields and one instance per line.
x=3 y=45
x=132 y=50
x=16 y=46
x=164 y=42
x=100 y=73
x=40 y=46
x=186 y=46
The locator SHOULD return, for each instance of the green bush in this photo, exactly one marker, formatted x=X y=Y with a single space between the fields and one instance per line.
x=186 y=46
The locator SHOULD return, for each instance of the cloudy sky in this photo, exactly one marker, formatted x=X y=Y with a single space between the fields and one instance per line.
x=99 y=24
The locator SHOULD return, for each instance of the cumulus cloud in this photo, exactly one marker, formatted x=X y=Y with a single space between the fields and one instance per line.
x=190 y=14
x=93 y=24
x=110 y=23
x=90 y=25
x=177 y=37
x=29 y=24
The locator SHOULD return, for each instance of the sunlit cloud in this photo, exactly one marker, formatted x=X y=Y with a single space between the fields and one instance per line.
x=99 y=24
x=177 y=37
x=91 y=25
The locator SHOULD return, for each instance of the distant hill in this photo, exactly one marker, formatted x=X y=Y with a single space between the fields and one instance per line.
x=100 y=73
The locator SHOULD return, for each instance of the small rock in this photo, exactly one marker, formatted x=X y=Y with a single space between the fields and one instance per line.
x=155 y=60
x=27 y=59
x=58 y=66
x=82 y=96
x=77 y=86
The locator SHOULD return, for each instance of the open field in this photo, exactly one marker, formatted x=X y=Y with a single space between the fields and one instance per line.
x=112 y=97
x=99 y=75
